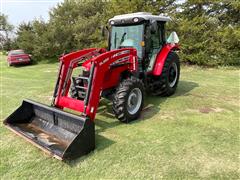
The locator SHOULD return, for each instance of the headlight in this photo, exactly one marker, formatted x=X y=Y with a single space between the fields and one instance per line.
x=112 y=22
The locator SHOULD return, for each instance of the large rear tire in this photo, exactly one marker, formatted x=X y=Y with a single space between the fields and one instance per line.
x=128 y=99
x=170 y=75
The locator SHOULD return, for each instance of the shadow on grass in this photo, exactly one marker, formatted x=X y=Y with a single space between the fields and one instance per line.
x=22 y=65
x=50 y=61
x=105 y=110
x=152 y=106
x=100 y=126
x=101 y=144
x=152 y=103
x=184 y=87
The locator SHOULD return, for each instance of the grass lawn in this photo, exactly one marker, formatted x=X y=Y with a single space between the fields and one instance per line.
x=193 y=134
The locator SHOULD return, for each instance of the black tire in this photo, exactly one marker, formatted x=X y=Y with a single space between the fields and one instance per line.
x=168 y=86
x=121 y=99
x=74 y=93
x=79 y=93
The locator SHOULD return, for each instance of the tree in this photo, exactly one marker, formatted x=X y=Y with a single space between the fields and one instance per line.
x=73 y=25
x=5 y=29
x=209 y=30
x=209 y=36
x=25 y=37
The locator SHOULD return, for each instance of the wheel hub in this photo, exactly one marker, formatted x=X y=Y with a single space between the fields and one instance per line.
x=134 y=101
x=173 y=71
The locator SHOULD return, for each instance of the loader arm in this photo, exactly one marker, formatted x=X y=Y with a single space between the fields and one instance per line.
x=101 y=62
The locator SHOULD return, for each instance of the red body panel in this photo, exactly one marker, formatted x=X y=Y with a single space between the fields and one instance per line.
x=71 y=103
x=112 y=77
x=161 y=57
x=103 y=75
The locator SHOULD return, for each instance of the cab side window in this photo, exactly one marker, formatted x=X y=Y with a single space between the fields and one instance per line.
x=155 y=39
x=155 y=42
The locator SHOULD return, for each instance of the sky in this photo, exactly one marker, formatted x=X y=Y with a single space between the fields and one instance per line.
x=26 y=10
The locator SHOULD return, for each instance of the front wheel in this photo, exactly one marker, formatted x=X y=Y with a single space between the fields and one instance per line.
x=128 y=99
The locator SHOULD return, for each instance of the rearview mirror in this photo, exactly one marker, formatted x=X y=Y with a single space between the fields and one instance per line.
x=173 y=38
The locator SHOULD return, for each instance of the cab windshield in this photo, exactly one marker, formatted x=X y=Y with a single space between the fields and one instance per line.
x=127 y=36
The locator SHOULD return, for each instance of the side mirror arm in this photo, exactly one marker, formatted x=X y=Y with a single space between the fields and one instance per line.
x=104 y=29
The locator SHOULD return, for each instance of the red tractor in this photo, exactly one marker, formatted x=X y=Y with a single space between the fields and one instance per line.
x=138 y=59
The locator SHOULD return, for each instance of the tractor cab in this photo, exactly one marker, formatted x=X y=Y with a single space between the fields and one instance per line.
x=143 y=31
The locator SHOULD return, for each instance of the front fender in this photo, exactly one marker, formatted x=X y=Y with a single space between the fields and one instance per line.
x=161 y=57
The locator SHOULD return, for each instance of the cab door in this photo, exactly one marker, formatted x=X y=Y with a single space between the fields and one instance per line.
x=154 y=42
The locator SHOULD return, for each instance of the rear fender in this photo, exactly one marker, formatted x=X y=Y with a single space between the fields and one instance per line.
x=161 y=58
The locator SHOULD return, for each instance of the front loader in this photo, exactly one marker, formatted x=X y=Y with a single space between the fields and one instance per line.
x=138 y=59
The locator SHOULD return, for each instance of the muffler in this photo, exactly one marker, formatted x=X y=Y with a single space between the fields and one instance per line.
x=59 y=133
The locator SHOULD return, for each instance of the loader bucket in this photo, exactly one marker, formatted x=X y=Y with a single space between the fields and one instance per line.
x=60 y=134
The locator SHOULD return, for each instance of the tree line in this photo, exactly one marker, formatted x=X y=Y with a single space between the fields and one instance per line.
x=209 y=30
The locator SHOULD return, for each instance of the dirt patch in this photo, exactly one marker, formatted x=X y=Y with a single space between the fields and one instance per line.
x=197 y=95
x=207 y=110
x=148 y=107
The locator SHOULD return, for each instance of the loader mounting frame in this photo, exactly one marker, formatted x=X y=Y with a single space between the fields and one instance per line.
x=101 y=61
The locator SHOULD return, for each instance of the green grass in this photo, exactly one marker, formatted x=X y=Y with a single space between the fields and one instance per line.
x=191 y=135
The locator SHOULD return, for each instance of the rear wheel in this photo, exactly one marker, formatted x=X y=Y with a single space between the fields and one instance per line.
x=168 y=80
x=128 y=99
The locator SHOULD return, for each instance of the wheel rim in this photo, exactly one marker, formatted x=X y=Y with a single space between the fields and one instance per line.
x=173 y=71
x=134 y=101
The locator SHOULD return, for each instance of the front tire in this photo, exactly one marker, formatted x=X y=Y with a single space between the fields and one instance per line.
x=128 y=99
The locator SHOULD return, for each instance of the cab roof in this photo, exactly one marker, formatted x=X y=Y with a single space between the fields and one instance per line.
x=143 y=15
